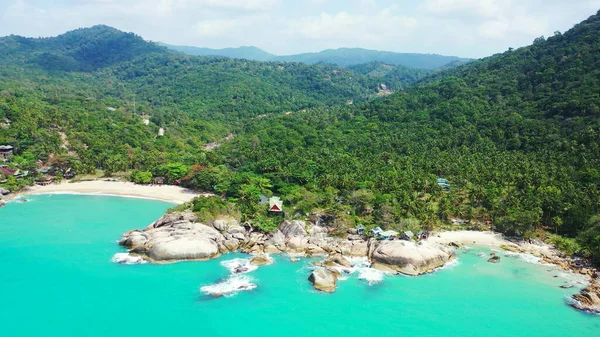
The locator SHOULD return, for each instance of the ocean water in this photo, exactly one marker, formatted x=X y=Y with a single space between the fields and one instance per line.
x=57 y=279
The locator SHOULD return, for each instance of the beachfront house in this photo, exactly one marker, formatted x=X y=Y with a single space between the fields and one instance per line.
x=275 y=205
x=7 y=172
x=376 y=232
x=43 y=181
x=422 y=235
x=44 y=170
x=360 y=230
x=380 y=234
x=408 y=236
x=21 y=174
x=388 y=235
x=5 y=152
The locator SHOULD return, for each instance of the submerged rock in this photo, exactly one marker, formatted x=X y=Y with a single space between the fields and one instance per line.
x=323 y=279
x=494 y=258
x=410 y=258
x=261 y=260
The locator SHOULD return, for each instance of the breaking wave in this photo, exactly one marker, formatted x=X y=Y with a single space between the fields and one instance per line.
x=372 y=276
x=239 y=266
x=362 y=266
x=229 y=287
x=525 y=258
x=450 y=265
x=125 y=258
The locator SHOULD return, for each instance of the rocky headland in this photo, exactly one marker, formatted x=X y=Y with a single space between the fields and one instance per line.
x=179 y=236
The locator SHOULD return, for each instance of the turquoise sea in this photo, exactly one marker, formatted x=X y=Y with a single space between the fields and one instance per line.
x=57 y=279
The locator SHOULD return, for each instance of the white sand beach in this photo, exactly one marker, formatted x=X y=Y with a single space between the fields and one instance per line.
x=491 y=239
x=168 y=193
x=469 y=238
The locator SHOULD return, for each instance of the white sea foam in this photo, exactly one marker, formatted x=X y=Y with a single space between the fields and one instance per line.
x=239 y=266
x=362 y=266
x=574 y=279
x=372 y=276
x=125 y=258
x=525 y=258
x=229 y=287
x=450 y=265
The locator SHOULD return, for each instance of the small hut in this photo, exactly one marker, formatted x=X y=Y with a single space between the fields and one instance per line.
x=44 y=181
x=5 y=152
x=443 y=183
x=376 y=232
x=360 y=230
x=275 y=205
x=408 y=236
x=388 y=235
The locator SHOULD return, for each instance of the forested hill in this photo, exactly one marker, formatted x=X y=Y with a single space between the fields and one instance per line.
x=517 y=135
x=98 y=86
x=83 y=49
x=106 y=63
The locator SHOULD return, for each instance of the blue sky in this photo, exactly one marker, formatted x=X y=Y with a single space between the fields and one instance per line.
x=467 y=28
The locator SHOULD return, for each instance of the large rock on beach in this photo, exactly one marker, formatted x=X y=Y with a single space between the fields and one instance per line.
x=409 y=258
x=588 y=299
x=176 y=237
x=224 y=224
x=186 y=248
x=323 y=279
x=293 y=228
x=170 y=218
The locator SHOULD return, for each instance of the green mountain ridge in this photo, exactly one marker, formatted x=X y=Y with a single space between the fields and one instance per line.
x=343 y=57
x=245 y=52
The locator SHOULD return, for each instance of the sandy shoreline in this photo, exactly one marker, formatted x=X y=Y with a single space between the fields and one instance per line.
x=494 y=240
x=173 y=194
x=545 y=252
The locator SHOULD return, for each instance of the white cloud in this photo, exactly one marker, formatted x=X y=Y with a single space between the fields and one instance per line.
x=251 y=5
x=348 y=26
x=483 y=8
x=471 y=28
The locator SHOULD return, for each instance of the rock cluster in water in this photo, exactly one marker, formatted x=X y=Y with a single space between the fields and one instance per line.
x=588 y=299
x=178 y=236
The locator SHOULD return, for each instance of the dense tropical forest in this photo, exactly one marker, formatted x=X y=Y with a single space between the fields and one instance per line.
x=516 y=135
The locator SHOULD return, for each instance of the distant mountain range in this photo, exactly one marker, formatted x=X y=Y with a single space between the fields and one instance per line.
x=344 y=57
x=250 y=53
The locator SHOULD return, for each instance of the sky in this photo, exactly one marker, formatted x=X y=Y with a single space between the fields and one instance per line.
x=465 y=28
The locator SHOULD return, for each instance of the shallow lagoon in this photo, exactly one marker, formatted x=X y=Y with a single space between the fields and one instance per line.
x=57 y=279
